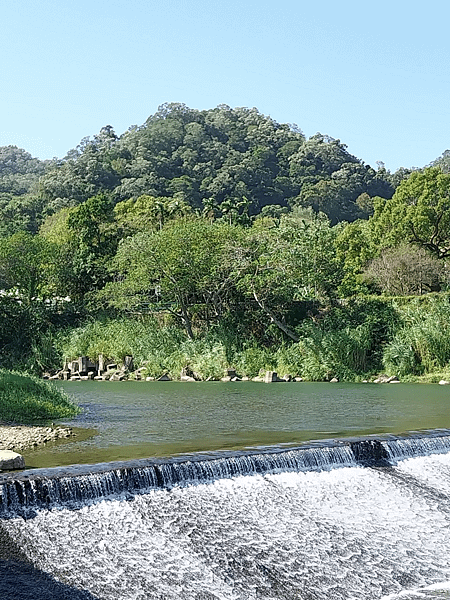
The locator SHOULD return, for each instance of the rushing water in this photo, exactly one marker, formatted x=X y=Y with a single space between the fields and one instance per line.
x=350 y=519
x=354 y=532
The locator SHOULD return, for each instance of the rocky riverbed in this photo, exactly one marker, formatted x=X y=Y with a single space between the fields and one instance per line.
x=21 y=437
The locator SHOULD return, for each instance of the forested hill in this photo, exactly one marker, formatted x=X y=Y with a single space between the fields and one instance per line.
x=221 y=159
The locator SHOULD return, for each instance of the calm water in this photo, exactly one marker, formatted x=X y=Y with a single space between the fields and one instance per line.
x=126 y=420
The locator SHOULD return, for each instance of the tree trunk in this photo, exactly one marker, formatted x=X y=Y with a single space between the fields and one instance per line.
x=284 y=328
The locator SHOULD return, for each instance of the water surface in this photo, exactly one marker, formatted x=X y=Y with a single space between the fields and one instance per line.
x=127 y=420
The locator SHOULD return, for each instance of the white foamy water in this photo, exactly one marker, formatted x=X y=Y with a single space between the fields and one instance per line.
x=351 y=533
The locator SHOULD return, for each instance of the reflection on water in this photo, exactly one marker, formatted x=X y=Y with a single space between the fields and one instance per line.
x=126 y=420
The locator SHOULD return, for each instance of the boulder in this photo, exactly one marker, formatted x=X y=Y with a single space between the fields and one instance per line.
x=334 y=380
x=11 y=460
x=117 y=376
x=386 y=379
x=444 y=382
x=272 y=377
x=128 y=363
x=164 y=377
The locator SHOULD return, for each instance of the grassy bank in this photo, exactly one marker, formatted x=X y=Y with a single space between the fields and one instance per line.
x=26 y=399
x=352 y=340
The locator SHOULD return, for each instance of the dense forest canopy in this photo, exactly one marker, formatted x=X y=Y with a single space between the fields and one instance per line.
x=205 y=158
x=218 y=220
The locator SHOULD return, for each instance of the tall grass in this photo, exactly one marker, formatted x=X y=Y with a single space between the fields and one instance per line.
x=117 y=338
x=353 y=340
x=422 y=344
x=26 y=399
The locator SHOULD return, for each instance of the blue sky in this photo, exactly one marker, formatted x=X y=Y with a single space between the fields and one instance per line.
x=375 y=75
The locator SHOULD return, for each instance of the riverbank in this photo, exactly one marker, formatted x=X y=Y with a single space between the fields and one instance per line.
x=19 y=438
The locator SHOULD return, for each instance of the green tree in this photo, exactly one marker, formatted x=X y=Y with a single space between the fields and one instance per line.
x=148 y=213
x=354 y=249
x=418 y=212
x=283 y=264
x=90 y=241
x=184 y=268
x=26 y=263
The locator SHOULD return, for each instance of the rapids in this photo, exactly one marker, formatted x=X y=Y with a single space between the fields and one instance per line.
x=355 y=532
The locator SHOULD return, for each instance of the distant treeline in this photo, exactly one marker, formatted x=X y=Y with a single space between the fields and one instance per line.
x=218 y=223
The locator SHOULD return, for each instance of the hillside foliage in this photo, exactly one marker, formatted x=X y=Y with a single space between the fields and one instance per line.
x=234 y=237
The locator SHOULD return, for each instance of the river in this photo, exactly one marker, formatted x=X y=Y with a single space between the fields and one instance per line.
x=237 y=491
x=127 y=420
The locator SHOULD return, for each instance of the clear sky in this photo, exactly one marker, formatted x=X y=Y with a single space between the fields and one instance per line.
x=375 y=75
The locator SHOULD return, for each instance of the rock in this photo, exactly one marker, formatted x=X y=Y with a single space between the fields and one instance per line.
x=11 y=460
x=287 y=378
x=386 y=379
x=128 y=363
x=164 y=377
x=117 y=376
x=272 y=377
x=334 y=380
x=225 y=379
x=186 y=378
x=236 y=379
x=299 y=379
x=444 y=382
x=149 y=379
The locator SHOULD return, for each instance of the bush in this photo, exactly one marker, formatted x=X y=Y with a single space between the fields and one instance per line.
x=250 y=361
x=26 y=399
x=400 y=359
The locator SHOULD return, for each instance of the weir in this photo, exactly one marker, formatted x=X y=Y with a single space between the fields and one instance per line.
x=73 y=485
x=339 y=520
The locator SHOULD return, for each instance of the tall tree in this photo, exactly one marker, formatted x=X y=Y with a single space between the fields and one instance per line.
x=184 y=268
x=26 y=263
x=418 y=212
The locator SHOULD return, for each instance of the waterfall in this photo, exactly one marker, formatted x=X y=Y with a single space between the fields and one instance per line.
x=312 y=523
x=72 y=485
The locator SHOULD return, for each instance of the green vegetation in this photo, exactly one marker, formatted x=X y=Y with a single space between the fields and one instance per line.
x=27 y=399
x=204 y=240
